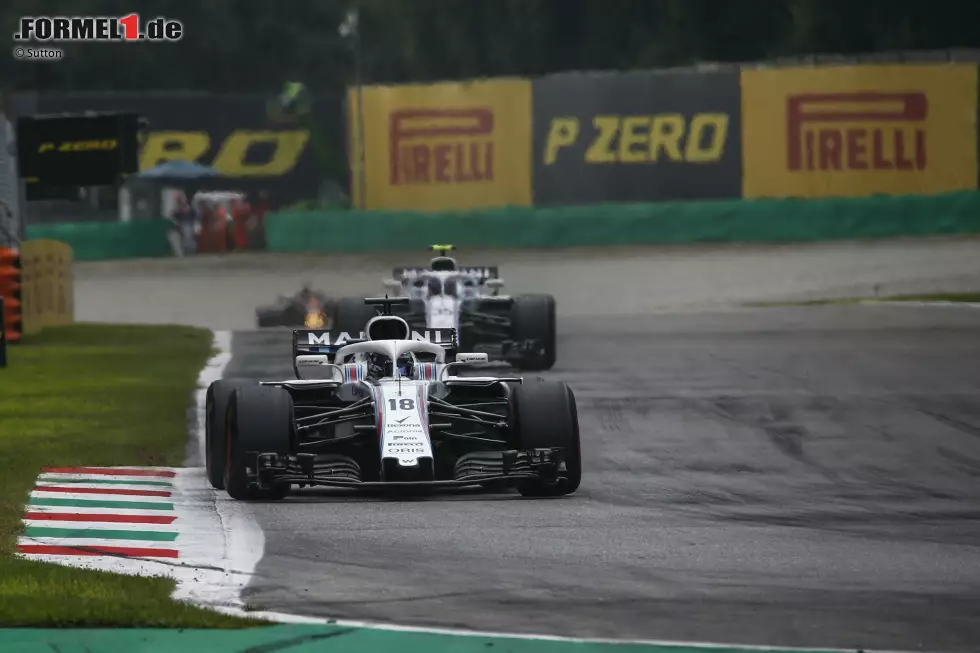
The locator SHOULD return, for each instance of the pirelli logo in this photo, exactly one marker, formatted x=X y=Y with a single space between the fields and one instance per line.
x=856 y=131
x=441 y=146
x=99 y=145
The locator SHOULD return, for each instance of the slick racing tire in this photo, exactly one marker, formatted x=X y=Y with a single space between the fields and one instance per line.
x=260 y=419
x=548 y=417
x=215 y=429
x=532 y=317
x=352 y=316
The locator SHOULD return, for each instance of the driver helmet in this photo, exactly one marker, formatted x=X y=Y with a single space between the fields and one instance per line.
x=406 y=364
x=378 y=365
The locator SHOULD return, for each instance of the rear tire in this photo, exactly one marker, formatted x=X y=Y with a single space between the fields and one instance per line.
x=547 y=416
x=215 y=428
x=352 y=316
x=260 y=420
x=533 y=318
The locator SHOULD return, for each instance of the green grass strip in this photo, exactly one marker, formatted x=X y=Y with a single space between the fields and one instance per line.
x=92 y=395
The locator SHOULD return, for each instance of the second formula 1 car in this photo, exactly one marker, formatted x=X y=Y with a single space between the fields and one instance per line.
x=307 y=308
x=389 y=411
x=518 y=329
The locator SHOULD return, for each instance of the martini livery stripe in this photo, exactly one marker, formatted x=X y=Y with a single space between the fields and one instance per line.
x=424 y=408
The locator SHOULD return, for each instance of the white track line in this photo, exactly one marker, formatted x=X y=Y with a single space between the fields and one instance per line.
x=217 y=533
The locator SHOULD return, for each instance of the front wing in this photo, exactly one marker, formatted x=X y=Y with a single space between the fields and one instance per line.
x=510 y=466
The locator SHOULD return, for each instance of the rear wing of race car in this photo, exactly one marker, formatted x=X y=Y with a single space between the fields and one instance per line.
x=482 y=273
x=308 y=342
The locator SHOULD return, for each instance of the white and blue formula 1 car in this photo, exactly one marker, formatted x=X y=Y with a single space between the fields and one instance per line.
x=519 y=330
x=389 y=412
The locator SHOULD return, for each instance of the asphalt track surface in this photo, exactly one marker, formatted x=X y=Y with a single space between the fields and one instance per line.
x=782 y=476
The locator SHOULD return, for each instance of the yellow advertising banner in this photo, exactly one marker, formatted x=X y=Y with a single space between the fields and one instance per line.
x=442 y=146
x=47 y=284
x=859 y=130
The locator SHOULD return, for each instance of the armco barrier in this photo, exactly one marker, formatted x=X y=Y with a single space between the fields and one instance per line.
x=770 y=220
x=48 y=284
x=99 y=241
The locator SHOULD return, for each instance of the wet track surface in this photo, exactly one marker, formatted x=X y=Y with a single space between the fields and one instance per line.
x=801 y=477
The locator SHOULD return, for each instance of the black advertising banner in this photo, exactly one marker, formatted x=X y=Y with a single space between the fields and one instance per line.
x=238 y=135
x=79 y=150
x=636 y=137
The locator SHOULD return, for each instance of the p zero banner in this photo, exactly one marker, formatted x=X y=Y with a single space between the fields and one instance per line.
x=859 y=130
x=234 y=134
x=442 y=146
x=79 y=150
x=636 y=137
x=47 y=278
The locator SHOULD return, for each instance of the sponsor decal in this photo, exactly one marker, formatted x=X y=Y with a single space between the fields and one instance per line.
x=415 y=437
x=636 y=136
x=78 y=146
x=405 y=449
x=441 y=146
x=856 y=131
x=860 y=130
x=433 y=335
x=640 y=139
x=235 y=157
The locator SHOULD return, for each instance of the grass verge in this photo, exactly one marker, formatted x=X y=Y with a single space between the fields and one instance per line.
x=963 y=297
x=93 y=395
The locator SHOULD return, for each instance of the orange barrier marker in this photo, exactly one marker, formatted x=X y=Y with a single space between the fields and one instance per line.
x=10 y=286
